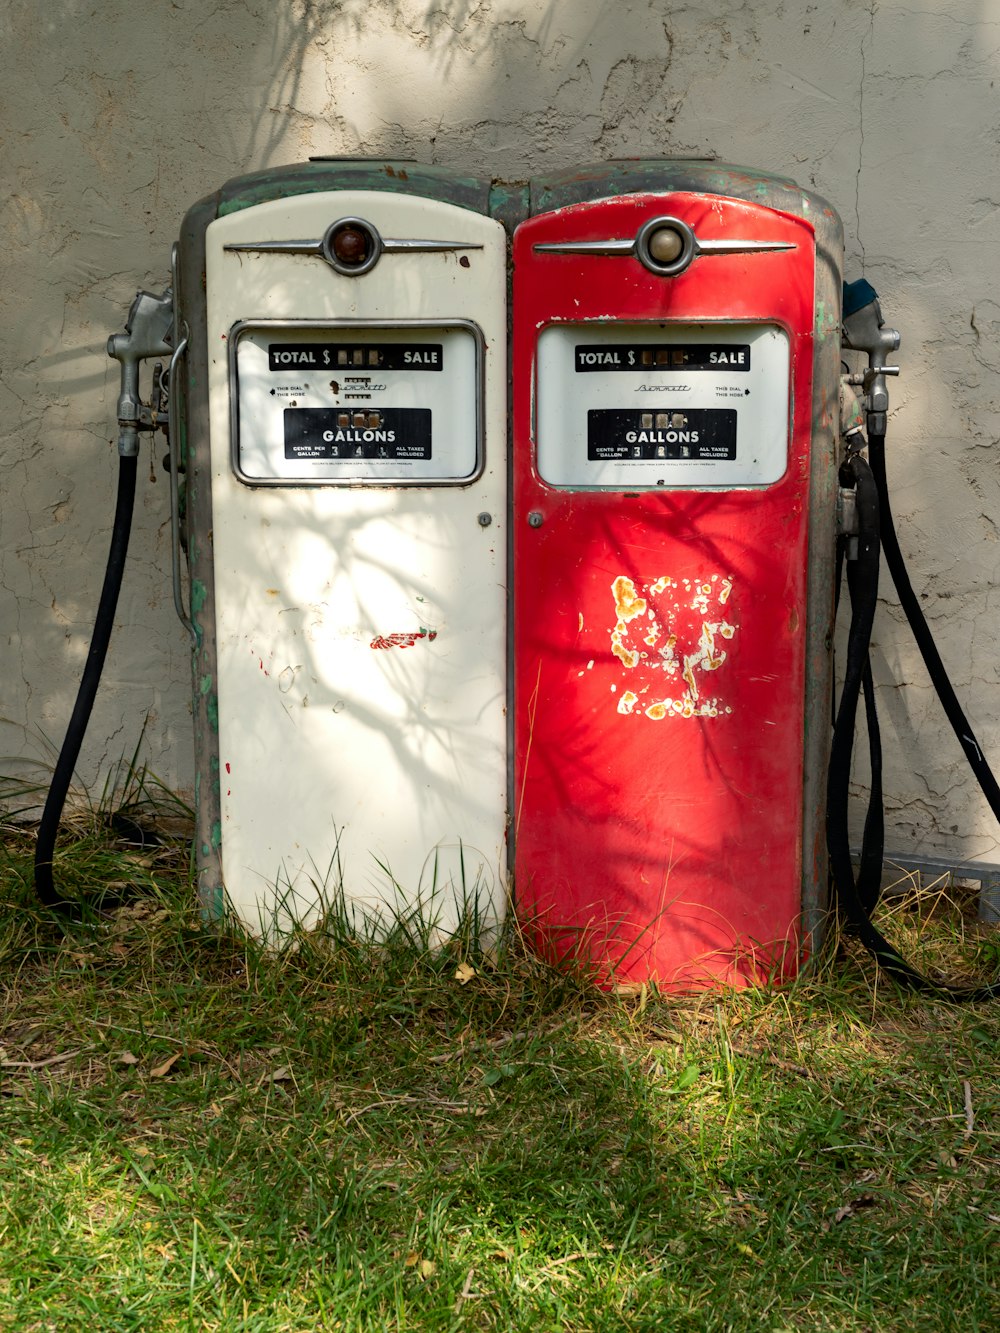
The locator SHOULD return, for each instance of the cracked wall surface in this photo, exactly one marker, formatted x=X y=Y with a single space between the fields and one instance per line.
x=118 y=119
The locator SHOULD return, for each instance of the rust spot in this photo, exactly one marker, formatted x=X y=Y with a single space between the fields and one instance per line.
x=625 y=655
x=464 y=261
x=628 y=604
x=710 y=659
x=688 y=674
x=793 y=622
x=682 y=640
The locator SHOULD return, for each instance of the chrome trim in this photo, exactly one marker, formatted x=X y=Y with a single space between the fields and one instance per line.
x=689 y=246
x=741 y=247
x=323 y=248
x=639 y=246
x=429 y=247
x=282 y=247
x=390 y=246
x=356 y=224
x=587 y=248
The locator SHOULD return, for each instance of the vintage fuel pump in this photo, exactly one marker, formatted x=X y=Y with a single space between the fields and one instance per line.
x=344 y=392
x=338 y=344
x=676 y=354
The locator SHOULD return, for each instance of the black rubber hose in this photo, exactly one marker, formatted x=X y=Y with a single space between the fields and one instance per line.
x=45 y=843
x=864 y=597
x=869 y=882
x=864 y=586
x=853 y=896
x=921 y=632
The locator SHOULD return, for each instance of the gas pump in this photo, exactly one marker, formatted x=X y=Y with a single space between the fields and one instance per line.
x=338 y=466
x=675 y=414
x=345 y=466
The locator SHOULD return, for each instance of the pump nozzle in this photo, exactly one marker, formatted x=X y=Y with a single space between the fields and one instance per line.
x=148 y=332
x=865 y=331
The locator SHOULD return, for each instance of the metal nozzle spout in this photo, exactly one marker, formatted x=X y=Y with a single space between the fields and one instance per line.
x=865 y=331
x=148 y=332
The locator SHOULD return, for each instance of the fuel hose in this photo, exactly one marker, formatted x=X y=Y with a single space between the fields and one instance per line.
x=857 y=896
x=45 y=887
x=921 y=631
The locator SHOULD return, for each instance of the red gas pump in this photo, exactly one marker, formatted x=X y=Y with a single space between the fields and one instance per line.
x=676 y=368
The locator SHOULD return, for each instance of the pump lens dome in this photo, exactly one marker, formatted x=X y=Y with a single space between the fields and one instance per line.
x=352 y=246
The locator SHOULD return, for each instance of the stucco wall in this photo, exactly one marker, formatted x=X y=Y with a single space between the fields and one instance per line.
x=118 y=117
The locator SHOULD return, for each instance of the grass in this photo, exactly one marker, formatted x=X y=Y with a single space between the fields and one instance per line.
x=358 y=1135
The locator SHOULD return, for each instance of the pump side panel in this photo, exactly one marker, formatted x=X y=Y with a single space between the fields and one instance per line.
x=660 y=632
x=360 y=628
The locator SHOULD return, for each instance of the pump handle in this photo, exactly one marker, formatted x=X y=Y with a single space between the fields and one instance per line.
x=865 y=331
x=148 y=332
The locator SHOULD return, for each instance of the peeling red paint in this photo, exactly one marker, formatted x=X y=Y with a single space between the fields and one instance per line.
x=403 y=639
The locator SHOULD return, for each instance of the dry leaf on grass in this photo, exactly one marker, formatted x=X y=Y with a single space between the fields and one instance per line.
x=167 y=1065
x=464 y=973
x=425 y=1267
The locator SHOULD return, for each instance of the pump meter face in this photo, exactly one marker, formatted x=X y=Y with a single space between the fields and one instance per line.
x=676 y=405
x=347 y=403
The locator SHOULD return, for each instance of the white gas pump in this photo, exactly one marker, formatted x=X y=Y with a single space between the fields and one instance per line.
x=353 y=465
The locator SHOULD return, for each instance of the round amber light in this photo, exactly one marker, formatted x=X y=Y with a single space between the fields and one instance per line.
x=350 y=245
x=665 y=245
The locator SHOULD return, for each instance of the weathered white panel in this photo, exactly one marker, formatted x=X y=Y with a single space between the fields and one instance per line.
x=362 y=629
